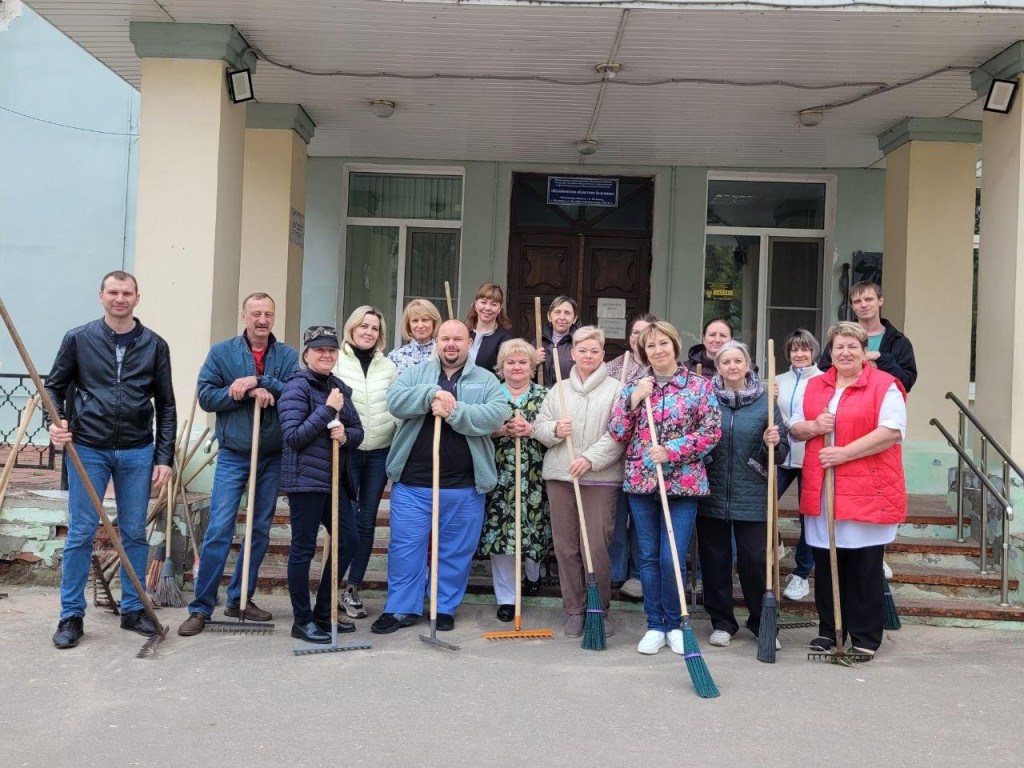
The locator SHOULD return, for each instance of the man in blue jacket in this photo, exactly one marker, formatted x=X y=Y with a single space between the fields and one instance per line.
x=471 y=405
x=122 y=377
x=239 y=375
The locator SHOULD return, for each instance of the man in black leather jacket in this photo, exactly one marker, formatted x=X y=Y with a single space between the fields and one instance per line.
x=122 y=376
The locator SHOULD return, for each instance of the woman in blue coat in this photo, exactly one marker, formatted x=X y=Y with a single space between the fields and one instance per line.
x=736 y=508
x=311 y=407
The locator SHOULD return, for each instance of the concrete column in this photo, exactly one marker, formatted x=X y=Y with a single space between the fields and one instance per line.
x=190 y=189
x=1000 y=343
x=929 y=246
x=274 y=210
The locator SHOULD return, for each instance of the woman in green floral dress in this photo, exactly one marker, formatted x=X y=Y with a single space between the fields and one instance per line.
x=516 y=363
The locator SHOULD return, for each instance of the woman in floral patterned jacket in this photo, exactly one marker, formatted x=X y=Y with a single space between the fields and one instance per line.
x=688 y=424
x=516 y=363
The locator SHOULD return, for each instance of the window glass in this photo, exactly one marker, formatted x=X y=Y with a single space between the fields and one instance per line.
x=398 y=196
x=766 y=204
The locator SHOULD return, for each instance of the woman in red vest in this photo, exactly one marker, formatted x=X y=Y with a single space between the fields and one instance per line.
x=865 y=410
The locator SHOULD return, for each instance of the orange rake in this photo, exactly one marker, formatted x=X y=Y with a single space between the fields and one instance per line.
x=518 y=632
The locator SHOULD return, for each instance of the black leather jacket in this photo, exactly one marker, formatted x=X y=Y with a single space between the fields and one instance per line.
x=114 y=407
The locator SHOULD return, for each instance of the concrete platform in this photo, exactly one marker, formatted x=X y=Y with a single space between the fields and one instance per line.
x=933 y=696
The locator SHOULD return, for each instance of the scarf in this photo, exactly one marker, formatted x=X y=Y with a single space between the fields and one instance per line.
x=753 y=387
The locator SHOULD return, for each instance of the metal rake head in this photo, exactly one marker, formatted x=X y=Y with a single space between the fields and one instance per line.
x=840 y=656
x=431 y=639
x=308 y=650
x=148 y=649
x=239 y=628
x=797 y=624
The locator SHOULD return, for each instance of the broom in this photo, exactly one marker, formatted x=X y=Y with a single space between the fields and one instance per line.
x=593 y=628
x=700 y=675
x=890 y=618
x=540 y=338
x=518 y=631
x=769 y=626
x=168 y=593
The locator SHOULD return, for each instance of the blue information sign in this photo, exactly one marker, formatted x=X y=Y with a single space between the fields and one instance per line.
x=579 y=190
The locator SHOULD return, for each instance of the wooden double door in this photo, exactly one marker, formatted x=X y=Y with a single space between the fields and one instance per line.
x=584 y=261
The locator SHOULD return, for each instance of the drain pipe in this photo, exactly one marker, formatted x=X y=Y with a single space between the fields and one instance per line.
x=607 y=71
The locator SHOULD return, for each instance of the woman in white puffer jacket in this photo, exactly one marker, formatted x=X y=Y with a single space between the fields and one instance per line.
x=363 y=366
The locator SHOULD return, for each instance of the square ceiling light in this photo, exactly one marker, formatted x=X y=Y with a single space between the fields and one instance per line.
x=1000 y=96
x=240 y=85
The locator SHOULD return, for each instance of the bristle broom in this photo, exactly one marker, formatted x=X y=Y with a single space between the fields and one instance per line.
x=890 y=619
x=769 y=628
x=700 y=675
x=168 y=593
x=593 y=628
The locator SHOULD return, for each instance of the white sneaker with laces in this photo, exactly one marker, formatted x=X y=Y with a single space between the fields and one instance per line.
x=675 y=641
x=720 y=638
x=886 y=570
x=651 y=643
x=351 y=604
x=797 y=588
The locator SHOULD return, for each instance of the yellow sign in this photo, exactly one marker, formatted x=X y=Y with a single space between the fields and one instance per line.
x=715 y=291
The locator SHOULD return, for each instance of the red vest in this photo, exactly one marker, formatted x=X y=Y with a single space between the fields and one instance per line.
x=870 y=489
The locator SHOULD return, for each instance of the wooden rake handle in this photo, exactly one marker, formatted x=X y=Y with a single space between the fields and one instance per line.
x=250 y=506
x=575 y=481
x=435 y=513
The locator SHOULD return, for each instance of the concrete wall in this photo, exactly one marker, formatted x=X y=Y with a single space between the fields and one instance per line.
x=67 y=200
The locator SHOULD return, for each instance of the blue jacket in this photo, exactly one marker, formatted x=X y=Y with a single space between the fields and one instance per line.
x=482 y=408
x=306 y=459
x=230 y=360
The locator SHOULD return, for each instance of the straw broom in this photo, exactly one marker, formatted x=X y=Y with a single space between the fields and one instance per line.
x=700 y=675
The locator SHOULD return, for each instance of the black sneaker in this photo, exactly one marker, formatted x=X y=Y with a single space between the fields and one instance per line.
x=138 y=621
x=531 y=588
x=822 y=644
x=445 y=622
x=69 y=632
x=387 y=623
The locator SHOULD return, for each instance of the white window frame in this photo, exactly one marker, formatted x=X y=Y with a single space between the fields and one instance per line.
x=827 y=234
x=403 y=226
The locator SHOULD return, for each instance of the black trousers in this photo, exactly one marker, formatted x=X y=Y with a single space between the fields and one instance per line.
x=714 y=540
x=861 y=594
x=308 y=512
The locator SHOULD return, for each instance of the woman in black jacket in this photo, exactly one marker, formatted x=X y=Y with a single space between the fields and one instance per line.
x=736 y=508
x=563 y=322
x=316 y=408
x=488 y=325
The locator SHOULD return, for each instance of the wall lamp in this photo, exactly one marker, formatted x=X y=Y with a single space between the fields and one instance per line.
x=240 y=85
x=1000 y=96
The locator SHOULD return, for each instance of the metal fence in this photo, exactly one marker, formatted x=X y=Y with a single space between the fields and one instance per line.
x=36 y=450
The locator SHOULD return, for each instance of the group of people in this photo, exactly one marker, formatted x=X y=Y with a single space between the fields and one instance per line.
x=582 y=422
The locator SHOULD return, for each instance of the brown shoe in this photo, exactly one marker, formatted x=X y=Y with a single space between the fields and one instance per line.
x=193 y=625
x=252 y=612
x=574 y=625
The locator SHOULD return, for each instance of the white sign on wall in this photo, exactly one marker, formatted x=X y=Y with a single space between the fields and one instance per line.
x=611 y=308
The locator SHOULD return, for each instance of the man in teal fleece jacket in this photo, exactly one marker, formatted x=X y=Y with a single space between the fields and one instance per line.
x=471 y=405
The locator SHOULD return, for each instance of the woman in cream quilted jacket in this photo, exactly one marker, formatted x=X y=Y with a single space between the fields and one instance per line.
x=363 y=366
x=590 y=393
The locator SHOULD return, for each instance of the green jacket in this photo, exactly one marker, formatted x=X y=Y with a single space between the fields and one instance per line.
x=482 y=408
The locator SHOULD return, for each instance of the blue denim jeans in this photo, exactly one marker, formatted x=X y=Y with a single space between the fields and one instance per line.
x=229 y=483
x=657 y=574
x=132 y=471
x=624 y=546
x=804 y=556
x=368 y=473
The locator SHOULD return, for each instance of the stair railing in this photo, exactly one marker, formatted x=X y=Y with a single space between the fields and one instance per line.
x=959 y=444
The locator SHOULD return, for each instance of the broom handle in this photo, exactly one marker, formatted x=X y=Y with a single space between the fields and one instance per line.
x=833 y=559
x=187 y=431
x=170 y=513
x=335 y=480
x=206 y=462
x=769 y=551
x=72 y=452
x=519 y=537
x=195 y=447
x=254 y=455
x=665 y=511
x=775 y=537
x=12 y=457
x=575 y=481
x=448 y=298
x=540 y=337
x=625 y=365
x=435 y=507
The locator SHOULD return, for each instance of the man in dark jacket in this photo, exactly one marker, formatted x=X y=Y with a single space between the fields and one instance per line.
x=888 y=349
x=122 y=377
x=239 y=375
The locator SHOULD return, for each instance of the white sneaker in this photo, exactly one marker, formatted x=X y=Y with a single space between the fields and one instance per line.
x=778 y=645
x=797 y=588
x=632 y=588
x=782 y=550
x=351 y=604
x=651 y=643
x=720 y=638
x=886 y=570
x=675 y=641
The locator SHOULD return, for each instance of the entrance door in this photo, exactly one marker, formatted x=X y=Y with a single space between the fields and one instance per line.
x=794 y=290
x=585 y=252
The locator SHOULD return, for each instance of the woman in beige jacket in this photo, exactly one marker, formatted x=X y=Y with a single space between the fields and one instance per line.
x=363 y=366
x=590 y=395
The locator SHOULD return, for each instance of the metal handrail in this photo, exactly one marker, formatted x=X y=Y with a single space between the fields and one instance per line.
x=985 y=433
x=987 y=485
